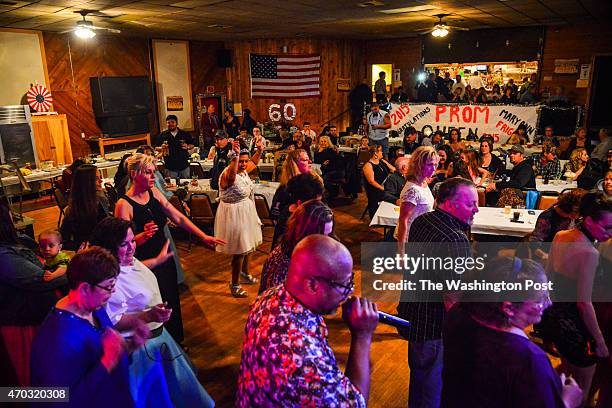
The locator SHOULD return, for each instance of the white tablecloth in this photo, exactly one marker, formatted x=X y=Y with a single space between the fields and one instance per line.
x=263 y=167
x=555 y=185
x=489 y=220
x=347 y=149
x=265 y=188
x=41 y=175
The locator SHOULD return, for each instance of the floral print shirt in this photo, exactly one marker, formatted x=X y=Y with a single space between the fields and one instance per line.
x=286 y=359
x=275 y=268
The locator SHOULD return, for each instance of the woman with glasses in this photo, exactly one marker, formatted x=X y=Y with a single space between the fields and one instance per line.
x=150 y=211
x=312 y=217
x=77 y=347
x=574 y=266
x=137 y=296
x=87 y=205
x=488 y=359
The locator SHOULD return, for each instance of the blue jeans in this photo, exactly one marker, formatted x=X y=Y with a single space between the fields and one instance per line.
x=425 y=362
x=183 y=174
x=382 y=142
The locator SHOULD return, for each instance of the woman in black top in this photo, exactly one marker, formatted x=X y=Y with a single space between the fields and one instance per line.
x=248 y=122
x=489 y=161
x=376 y=171
x=231 y=124
x=560 y=217
x=578 y=141
x=331 y=166
x=87 y=206
x=149 y=209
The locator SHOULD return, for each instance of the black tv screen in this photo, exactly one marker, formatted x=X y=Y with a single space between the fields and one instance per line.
x=112 y=96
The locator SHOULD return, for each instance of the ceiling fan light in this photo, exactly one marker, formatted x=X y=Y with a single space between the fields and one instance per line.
x=439 y=32
x=84 y=32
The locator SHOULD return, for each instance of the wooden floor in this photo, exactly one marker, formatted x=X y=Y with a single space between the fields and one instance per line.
x=214 y=320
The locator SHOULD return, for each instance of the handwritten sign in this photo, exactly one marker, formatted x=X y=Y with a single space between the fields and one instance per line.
x=174 y=103
x=498 y=121
x=566 y=66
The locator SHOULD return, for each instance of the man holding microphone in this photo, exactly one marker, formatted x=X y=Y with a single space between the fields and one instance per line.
x=286 y=358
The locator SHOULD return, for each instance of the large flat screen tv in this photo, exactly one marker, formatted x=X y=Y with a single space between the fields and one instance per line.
x=121 y=104
x=112 y=96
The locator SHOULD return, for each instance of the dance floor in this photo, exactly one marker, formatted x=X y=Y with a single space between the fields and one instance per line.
x=214 y=320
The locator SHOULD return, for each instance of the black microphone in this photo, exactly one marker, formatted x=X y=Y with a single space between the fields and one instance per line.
x=391 y=320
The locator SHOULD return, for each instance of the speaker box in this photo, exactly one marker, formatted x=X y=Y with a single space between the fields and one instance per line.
x=224 y=58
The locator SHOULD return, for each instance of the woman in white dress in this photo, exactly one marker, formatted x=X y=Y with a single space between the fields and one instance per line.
x=161 y=375
x=236 y=221
x=416 y=198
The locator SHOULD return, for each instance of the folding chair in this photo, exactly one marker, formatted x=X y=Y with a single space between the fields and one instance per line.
x=60 y=201
x=196 y=170
x=263 y=211
x=201 y=211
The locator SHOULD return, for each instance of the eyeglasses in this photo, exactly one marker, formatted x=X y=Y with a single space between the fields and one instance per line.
x=106 y=288
x=346 y=289
x=543 y=303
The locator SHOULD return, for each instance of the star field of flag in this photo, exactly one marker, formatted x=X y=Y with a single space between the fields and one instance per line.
x=263 y=66
x=285 y=76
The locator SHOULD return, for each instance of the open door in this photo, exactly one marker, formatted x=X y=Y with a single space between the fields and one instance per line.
x=601 y=89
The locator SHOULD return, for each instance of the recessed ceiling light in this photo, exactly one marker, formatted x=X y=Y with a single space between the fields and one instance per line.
x=407 y=9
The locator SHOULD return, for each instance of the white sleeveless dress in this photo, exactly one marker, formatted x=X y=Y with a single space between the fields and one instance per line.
x=237 y=222
x=420 y=197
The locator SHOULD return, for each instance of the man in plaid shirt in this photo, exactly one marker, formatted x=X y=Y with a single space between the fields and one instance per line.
x=442 y=233
x=547 y=164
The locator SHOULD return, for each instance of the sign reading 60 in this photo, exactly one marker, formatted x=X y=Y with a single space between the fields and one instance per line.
x=276 y=112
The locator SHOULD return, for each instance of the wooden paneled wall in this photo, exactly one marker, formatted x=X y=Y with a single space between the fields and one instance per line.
x=569 y=42
x=100 y=56
x=403 y=53
x=339 y=59
x=112 y=56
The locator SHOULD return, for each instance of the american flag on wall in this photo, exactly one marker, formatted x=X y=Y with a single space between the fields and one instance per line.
x=285 y=76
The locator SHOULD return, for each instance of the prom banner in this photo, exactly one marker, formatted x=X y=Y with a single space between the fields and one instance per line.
x=499 y=121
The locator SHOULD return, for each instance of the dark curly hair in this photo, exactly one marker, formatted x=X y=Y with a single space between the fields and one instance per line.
x=595 y=205
x=110 y=232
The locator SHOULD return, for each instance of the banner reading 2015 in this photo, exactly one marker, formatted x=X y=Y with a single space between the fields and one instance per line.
x=499 y=121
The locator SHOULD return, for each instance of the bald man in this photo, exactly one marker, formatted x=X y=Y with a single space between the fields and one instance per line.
x=286 y=358
x=395 y=182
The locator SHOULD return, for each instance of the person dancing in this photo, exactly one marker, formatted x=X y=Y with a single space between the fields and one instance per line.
x=237 y=221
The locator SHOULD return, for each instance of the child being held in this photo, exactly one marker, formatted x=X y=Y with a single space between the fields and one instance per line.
x=55 y=261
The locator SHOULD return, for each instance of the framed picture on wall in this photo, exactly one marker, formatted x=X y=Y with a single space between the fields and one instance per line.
x=211 y=110
x=343 y=85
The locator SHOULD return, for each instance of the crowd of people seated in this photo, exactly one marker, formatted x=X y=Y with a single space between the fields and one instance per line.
x=93 y=321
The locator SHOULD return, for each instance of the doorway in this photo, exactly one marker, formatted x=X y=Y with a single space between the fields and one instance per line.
x=601 y=89
x=387 y=69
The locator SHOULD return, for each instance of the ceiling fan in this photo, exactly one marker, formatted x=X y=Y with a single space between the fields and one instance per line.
x=85 y=28
x=441 y=28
